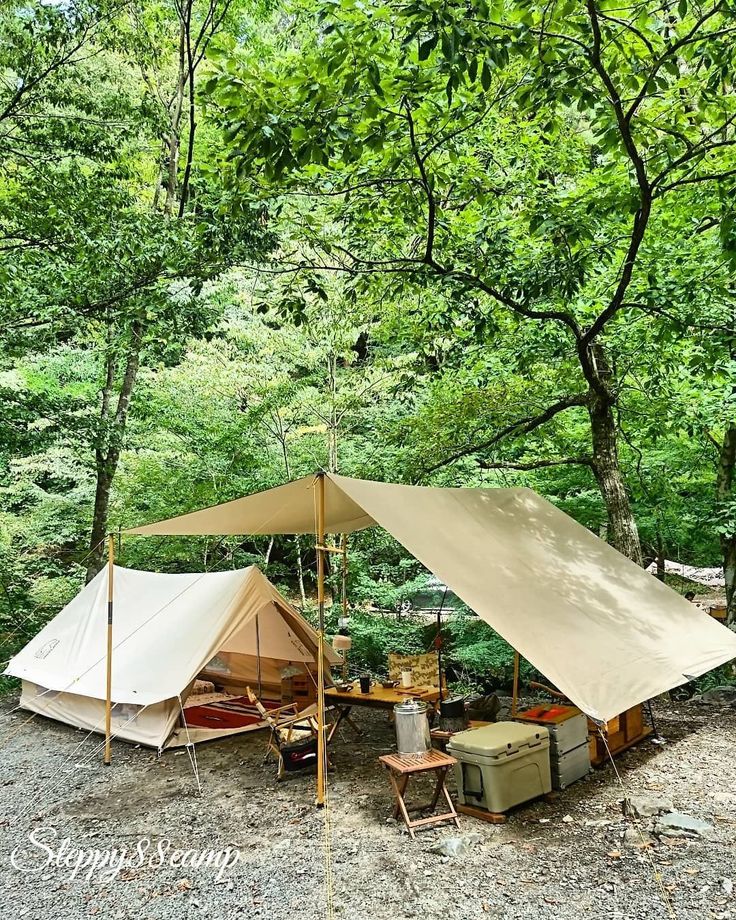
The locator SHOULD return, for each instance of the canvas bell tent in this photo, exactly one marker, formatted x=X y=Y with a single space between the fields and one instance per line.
x=233 y=629
x=604 y=631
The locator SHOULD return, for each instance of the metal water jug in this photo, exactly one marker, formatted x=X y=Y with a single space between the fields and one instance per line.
x=412 y=727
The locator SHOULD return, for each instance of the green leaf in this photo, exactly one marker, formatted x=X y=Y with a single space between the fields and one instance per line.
x=426 y=47
x=485 y=76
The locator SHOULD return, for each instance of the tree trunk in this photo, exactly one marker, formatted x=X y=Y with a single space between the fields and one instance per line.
x=107 y=454
x=661 y=568
x=725 y=497
x=191 y=67
x=96 y=559
x=267 y=556
x=173 y=140
x=622 y=527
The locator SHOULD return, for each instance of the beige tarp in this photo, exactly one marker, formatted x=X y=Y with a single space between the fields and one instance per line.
x=608 y=634
x=286 y=509
x=166 y=629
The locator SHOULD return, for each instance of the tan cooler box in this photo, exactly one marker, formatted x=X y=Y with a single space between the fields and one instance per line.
x=501 y=765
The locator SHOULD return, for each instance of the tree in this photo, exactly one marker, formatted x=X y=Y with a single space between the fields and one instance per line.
x=86 y=255
x=522 y=155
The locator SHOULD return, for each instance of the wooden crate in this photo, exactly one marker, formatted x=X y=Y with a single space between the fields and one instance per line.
x=300 y=689
x=621 y=732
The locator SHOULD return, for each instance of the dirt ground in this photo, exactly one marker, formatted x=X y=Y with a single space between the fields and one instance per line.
x=565 y=859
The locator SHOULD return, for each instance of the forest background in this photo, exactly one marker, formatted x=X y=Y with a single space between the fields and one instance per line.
x=448 y=243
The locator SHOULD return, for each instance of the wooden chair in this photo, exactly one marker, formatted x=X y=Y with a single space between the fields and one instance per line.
x=287 y=727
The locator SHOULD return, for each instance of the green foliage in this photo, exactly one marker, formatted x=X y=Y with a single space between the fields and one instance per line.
x=386 y=205
x=375 y=636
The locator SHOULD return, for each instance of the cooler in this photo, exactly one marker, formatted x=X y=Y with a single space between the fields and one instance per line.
x=501 y=765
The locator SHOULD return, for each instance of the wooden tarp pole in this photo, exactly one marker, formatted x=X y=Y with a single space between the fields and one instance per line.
x=108 y=680
x=344 y=542
x=258 y=658
x=515 y=695
x=321 y=747
x=439 y=650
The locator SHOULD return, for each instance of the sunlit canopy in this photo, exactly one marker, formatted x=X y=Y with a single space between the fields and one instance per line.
x=608 y=634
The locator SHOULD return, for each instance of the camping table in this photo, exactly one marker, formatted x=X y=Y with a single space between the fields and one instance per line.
x=441 y=737
x=378 y=698
x=402 y=766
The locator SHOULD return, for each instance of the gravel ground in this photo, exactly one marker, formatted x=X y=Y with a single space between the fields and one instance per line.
x=558 y=860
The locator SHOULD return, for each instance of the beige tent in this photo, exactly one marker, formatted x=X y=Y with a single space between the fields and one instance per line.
x=608 y=634
x=233 y=628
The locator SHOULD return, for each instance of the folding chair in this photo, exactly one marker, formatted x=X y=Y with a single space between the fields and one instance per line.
x=292 y=753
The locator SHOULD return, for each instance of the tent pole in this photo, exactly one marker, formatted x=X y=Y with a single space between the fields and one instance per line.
x=108 y=679
x=345 y=599
x=515 y=695
x=321 y=752
x=439 y=651
x=258 y=658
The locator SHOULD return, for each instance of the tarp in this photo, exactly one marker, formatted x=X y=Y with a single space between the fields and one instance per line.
x=599 y=627
x=166 y=628
x=285 y=509
x=711 y=577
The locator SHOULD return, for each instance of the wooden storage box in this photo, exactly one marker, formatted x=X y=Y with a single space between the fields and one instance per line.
x=621 y=733
x=300 y=689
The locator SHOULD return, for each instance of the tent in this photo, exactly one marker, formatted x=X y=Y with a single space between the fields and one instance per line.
x=608 y=634
x=230 y=627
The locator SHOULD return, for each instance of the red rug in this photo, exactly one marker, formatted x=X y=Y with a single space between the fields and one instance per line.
x=238 y=712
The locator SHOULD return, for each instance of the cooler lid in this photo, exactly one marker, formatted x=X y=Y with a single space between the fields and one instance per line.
x=498 y=738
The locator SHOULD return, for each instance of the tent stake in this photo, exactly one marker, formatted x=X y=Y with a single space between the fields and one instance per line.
x=321 y=753
x=108 y=690
x=515 y=694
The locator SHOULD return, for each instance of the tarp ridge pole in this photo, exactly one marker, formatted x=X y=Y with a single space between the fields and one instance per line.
x=108 y=676
x=321 y=752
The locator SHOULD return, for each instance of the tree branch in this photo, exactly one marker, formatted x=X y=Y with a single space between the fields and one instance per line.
x=534 y=464
x=521 y=426
x=641 y=218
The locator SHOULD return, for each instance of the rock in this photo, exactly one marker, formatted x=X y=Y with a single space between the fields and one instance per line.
x=718 y=696
x=455 y=846
x=646 y=806
x=677 y=824
x=633 y=835
x=568 y=819
x=727 y=886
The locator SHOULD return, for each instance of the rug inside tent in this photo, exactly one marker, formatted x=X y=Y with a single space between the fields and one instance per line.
x=235 y=712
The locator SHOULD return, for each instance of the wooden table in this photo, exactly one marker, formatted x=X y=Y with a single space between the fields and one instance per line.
x=441 y=737
x=378 y=698
x=402 y=766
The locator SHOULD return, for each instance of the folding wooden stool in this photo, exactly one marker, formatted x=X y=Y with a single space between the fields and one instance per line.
x=401 y=767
